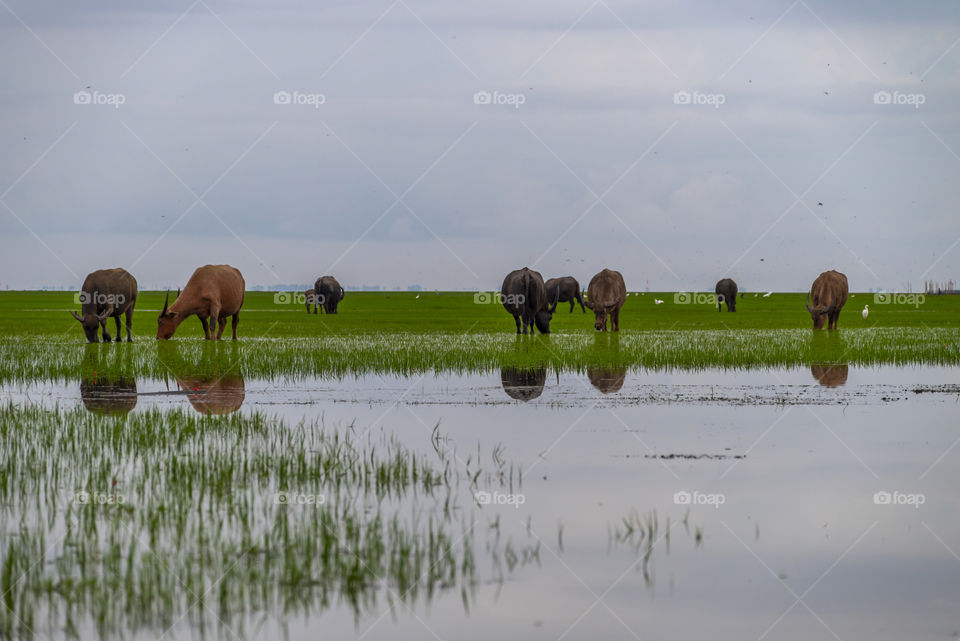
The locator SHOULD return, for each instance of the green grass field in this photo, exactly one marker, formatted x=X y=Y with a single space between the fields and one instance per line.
x=406 y=332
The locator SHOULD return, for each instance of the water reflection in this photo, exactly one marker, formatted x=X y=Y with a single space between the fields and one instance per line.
x=523 y=384
x=209 y=375
x=214 y=395
x=106 y=384
x=607 y=379
x=830 y=375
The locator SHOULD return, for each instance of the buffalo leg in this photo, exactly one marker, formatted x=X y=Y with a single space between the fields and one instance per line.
x=221 y=325
x=233 y=324
x=615 y=320
x=206 y=330
x=128 y=317
x=119 y=335
x=516 y=319
x=103 y=328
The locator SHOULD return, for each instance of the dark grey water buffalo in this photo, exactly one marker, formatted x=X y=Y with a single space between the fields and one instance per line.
x=328 y=293
x=565 y=289
x=605 y=296
x=523 y=384
x=726 y=291
x=524 y=296
x=829 y=293
x=106 y=293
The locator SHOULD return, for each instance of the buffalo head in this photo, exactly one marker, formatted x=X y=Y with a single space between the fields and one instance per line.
x=91 y=322
x=168 y=320
x=543 y=317
x=819 y=314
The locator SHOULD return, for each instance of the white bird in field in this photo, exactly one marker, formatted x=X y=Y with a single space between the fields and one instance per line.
x=417 y=296
x=657 y=301
x=865 y=312
x=767 y=295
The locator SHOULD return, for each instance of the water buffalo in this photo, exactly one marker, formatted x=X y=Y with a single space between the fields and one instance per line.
x=605 y=296
x=524 y=296
x=726 y=291
x=563 y=290
x=523 y=384
x=830 y=375
x=214 y=292
x=106 y=293
x=829 y=293
x=328 y=293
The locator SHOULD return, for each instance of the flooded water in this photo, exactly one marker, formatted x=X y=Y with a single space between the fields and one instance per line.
x=804 y=504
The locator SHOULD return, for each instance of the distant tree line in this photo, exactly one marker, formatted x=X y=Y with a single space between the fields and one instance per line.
x=946 y=287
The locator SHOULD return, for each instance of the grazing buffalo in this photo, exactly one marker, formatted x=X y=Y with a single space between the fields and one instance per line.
x=829 y=293
x=213 y=292
x=327 y=293
x=563 y=290
x=217 y=395
x=726 y=291
x=830 y=375
x=605 y=296
x=523 y=384
x=524 y=296
x=106 y=293
x=607 y=379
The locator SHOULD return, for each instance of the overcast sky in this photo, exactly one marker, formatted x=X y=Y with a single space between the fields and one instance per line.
x=678 y=143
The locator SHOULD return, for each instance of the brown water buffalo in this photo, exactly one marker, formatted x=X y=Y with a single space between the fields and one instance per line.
x=219 y=395
x=830 y=375
x=726 y=291
x=213 y=292
x=523 y=384
x=563 y=290
x=524 y=296
x=605 y=296
x=310 y=297
x=328 y=293
x=829 y=293
x=106 y=293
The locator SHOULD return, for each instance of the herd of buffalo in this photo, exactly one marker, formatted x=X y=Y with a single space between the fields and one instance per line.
x=215 y=293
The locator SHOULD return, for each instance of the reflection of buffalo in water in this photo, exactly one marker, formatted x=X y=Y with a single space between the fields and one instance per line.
x=830 y=375
x=523 y=384
x=109 y=395
x=607 y=379
x=214 y=395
